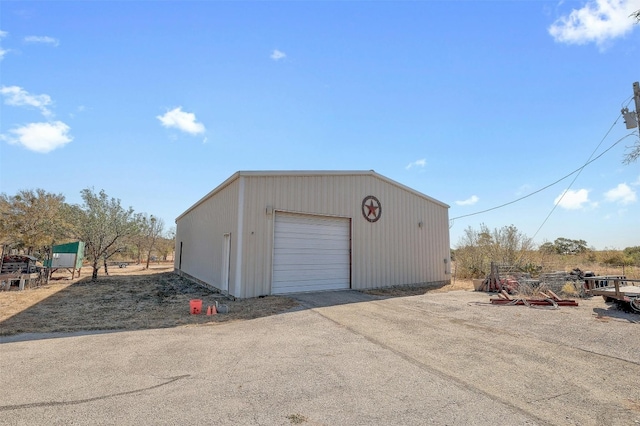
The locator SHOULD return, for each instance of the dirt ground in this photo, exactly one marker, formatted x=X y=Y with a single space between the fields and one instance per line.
x=135 y=298
x=129 y=298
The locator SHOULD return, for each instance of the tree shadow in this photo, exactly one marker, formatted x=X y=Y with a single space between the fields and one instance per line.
x=129 y=302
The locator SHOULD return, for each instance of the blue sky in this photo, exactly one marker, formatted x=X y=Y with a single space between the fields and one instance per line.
x=475 y=103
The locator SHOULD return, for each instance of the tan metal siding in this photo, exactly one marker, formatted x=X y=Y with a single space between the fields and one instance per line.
x=392 y=251
x=202 y=229
x=257 y=238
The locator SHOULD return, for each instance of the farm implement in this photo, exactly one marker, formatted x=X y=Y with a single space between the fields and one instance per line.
x=548 y=299
x=624 y=292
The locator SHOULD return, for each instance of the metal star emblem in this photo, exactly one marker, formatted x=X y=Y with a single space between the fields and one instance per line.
x=371 y=208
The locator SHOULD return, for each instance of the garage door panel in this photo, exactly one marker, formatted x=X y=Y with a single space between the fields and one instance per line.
x=309 y=244
x=301 y=280
x=311 y=253
x=308 y=275
x=310 y=257
x=324 y=234
x=316 y=286
x=317 y=228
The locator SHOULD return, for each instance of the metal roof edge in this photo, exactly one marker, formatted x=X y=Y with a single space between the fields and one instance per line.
x=304 y=172
x=211 y=193
x=408 y=189
x=257 y=173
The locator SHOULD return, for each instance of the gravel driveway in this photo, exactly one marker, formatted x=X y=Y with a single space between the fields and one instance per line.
x=341 y=358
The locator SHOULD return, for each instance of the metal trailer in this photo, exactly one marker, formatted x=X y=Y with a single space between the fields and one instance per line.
x=617 y=289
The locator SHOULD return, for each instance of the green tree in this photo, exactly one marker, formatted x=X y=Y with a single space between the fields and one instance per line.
x=547 y=248
x=103 y=224
x=567 y=246
x=633 y=253
x=33 y=219
x=615 y=258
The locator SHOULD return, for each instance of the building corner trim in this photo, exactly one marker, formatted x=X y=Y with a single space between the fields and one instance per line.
x=239 y=234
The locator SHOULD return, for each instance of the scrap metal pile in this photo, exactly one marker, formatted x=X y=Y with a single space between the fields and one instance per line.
x=510 y=286
x=549 y=299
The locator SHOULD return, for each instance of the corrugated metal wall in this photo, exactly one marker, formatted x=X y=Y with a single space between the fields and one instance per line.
x=395 y=250
x=201 y=231
x=392 y=251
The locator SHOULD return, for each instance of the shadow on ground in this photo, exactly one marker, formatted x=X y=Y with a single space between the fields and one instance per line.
x=342 y=297
x=129 y=302
x=617 y=311
x=160 y=300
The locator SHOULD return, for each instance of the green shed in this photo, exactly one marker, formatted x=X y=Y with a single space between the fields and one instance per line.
x=66 y=256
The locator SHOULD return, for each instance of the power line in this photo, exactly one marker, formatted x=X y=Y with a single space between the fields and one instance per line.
x=589 y=160
x=557 y=181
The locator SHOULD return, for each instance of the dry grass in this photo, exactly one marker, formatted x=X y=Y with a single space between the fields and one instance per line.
x=570 y=289
x=129 y=299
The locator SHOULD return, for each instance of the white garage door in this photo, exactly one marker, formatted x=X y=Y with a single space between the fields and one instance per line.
x=310 y=253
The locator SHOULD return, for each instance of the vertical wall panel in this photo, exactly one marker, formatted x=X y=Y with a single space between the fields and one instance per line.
x=201 y=231
x=392 y=251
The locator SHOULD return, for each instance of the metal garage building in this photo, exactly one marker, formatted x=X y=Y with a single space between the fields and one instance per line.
x=275 y=232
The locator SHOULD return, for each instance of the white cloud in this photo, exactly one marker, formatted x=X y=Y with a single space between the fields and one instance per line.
x=572 y=200
x=42 y=39
x=523 y=189
x=17 y=96
x=597 y=21
x=41 y=137
x=3 y=52
x=622 y=194
x=469 y=201
x=185 y=121
x=418 y=163
x=79 y=109
x=276 y=55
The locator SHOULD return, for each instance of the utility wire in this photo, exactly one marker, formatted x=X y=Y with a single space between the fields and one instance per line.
x=578 y=171
x=557 y=181
x=589 y=160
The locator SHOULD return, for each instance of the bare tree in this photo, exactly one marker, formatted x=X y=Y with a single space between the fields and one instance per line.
x=154 y=230
x=633 y=154
x=478 y=248
x=138 y=239
x=167 y=243
x=512 y=245
x=103 y=225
